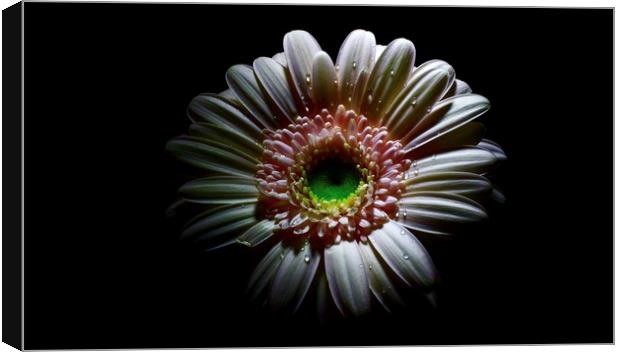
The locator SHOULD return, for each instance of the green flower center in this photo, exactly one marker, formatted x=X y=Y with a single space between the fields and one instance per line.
x=334 y=180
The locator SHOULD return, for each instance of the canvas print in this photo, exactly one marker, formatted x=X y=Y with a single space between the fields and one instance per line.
x=206 y=175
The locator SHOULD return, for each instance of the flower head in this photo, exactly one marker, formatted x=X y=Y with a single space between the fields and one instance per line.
x=338 y=166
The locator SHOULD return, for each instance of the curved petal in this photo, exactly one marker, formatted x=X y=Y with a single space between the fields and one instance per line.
x=299 y=48
x=461 y=183
x=221 y=225
x=230 y=96
x=427 y=85
x=469 y=134
x=356 y=54
x=280 y=58
x=241 y=80
x=219 y=111
x=494 y=148
x=380 y=282
x=234 y=139
x=265 y=271
x=293 y=279
x=257 y=234
x=198 y=152
x=468 y=159
x=404 y=254
x=447 y=115
x=272 y=77
x=324 y=81
x=347 y=279
x=220 y=190
x=388 y=77
x=458 y=88
x=438 y=212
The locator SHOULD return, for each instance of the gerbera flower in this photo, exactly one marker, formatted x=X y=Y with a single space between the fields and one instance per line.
x=339 y=165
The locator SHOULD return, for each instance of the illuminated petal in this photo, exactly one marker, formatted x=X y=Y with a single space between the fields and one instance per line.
x=272 y=77
x=292 y=281
x=468 y=159
x=221 y=226
x=257 y=234
x=347 y=279
x=404 y=254
x=299 y=48
x=324 y=82
x=379 y=280
x=241 y=80
x=220 y=190
x=356 y=54
x=219 y=111
x=438 y=212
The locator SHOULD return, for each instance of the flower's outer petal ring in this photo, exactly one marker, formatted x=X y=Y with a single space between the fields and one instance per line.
x=217 y=110
x=324 y=81
x=221 y=225
x=467 y=159
x=198 y=152
x=299 y=48
x=446 y=116
x=235 y=140
x=427 y=85
x=220 y=190
x=347 y=279
x=404 y=254
x=273 y=79
x=257 y=234
x=241 y=80
x=231 y=97
x=438 y=212
x=293 y=279
x=356 y=54
x=388 y=77
x=380 y=282
x=461 y=183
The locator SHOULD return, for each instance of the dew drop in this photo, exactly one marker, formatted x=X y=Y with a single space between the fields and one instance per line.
x=281 y=256
x=414 y=101
x=354 y=65
x=349 y=99
x=392 y=72
x=308 y=78
x=370 y=267
x=336 y=82
x=416 y=172
x=369 y=98
x=429 y=109
x=361 y=265
x=402 y=232
x=337 y=67
x=405 y=257
x=307 y=259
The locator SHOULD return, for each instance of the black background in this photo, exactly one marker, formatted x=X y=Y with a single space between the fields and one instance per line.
x=106 y=85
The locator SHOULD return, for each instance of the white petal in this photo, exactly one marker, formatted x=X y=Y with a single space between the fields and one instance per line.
x=404 y=254
x=217 y=110
x=265 y=271
x=356 y=54
x=299 y=48
x=446 y=116
x=438 y=212
x=241 y=80
x=347 y=279
x=379 y=280
x=257 y=234
x=468 y=159
x=388 y=77
x=293 y=279
x=324 y=82
x=221 y=225
x=273 y=79
x=220 y=190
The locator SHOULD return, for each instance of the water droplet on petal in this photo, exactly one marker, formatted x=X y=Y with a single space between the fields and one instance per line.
x=414 y=101
x=402 y=232
x=307 y=259
x=354 y=65
x=405 y=257
x=370 y=267
x=337 y=67
x=308 y=78
x=361 y=265
x=392 y=72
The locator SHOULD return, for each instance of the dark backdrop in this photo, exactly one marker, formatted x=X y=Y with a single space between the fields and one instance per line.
x=106 y=85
